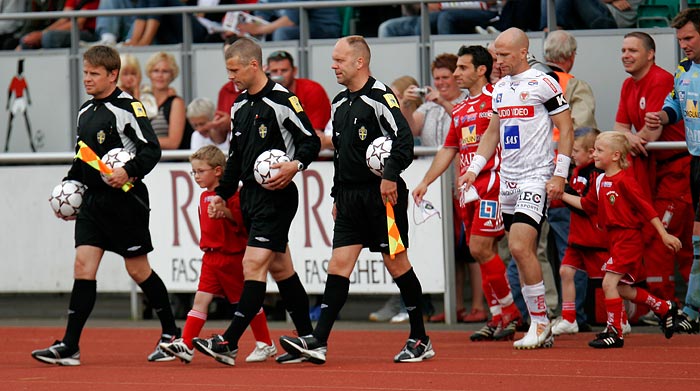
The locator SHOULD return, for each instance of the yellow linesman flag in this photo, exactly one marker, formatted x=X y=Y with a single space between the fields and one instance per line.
x=86 y=154
x=395 y=243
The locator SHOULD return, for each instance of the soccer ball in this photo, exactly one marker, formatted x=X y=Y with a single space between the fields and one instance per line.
x=262 y=170
x=67 y=197
x=115 y=158
x=379 y=150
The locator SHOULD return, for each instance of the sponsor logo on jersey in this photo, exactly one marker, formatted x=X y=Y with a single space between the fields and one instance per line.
x=101 y=136
x=469 y=134
x=681 y=94
x=262 y=239
x=471 y=109
x=471 y=117
x=516 y=112
x=691 y=108
x=296 y=104
x=551 y=85
x=511 y=137
x=485 y=114
x=685 y=82
x=391 y=100
x=499 y=97
x=455 y=120
x=139 y=111
x=524 y=95
x=561 y=101
x=362 y=133
x=606 y=184
x=642 y=103
x=488 y=224
x=133 y=248
x=532 y=83
x=530 y=197
x=488 y=209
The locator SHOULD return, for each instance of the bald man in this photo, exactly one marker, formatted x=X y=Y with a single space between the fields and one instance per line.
x=526 y=102
x=366 y=110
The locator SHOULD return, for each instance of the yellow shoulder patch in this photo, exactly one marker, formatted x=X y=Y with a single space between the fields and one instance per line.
x=391 y=100
x=296 y=104
x=138 y=109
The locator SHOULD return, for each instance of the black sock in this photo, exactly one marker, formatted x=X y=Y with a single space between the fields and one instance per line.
x=157 y=295
x=411 y=293
x=334 y=297
x=252 y=299
x=296 y=302
x=82 y=301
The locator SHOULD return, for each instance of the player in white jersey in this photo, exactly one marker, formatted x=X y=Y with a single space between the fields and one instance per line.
x=527 y=104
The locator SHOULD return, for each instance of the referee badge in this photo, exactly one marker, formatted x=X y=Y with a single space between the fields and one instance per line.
x=362 y=132
x=391 y=101
x=138 y=109
x=262 y=130
x=101 y=136
x=296 y=104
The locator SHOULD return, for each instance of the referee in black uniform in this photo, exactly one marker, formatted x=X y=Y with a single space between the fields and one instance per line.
x=364 y=111
x=265 y=116
x=109 y=218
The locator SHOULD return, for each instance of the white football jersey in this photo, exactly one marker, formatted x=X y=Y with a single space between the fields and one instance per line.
x=524 y=103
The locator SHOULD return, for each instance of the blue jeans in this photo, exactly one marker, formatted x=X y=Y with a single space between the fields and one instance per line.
x=584 y=14
x=514 y=280
x=463 y=21
x=406 y=25
x=61 y=38
x=120 y=26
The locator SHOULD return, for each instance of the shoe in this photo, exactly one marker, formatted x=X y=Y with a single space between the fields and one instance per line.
x=686 y=325
x=669 y=321
x=608 y=339
x=509 y=324
x=59 y=354
x=262 y=352
x=289 y=358
x=649 y=318
x=307 y=346
x=401 y=317
x=626 y=328
x=538 y=336
x=492 y=30
x=480 y=30
x=415 y=350
x=475 y=316
x=179 y=349
x=563 y=326
x=486 y=333
x=388 y=310
x=160 y=355
x=217 y=348
x=440 y=318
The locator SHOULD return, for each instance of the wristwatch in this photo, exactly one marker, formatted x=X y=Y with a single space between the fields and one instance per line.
x=300 y=166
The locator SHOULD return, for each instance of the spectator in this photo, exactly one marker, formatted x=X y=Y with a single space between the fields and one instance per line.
x=200 y=112
x=30 y=34
x=130 y=76
x=163 y=29
x=113 y=29
x=409 y=23
x=313 y=98
x=284 y=23
x=10 y=28
x=57 y=34
x=170 y=123
x=463 y=17
x=596 y=14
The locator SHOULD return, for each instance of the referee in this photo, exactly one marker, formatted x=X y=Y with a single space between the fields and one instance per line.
x=265 y=116
x=364 y=111
x=110 y=219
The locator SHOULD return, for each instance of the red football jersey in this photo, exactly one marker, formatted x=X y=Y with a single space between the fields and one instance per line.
x=222 y=235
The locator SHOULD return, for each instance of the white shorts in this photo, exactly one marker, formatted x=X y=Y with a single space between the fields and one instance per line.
x=527 y=197
x=19 y=106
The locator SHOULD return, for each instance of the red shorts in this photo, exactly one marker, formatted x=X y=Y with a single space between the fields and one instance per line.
x=483 y=217
x=222 y=275
x=589 y=261
x=626 y=247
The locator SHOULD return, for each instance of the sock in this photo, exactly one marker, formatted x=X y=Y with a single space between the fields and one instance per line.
x=193 y=326
x=411 y=292
x=157 y=295
x=249 y=305
x=568 y=311
x=495 y=272
x=334 y=297
x=614 y=310
x=296 y=301
x=82 y=301
x=658 y=306
x=259 y=327
x=534 y=299
x=495 y=313
x=488 y=290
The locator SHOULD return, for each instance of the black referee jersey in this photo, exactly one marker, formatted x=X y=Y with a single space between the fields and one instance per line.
x=360 y=117
x=118 y=121
x=271 y=119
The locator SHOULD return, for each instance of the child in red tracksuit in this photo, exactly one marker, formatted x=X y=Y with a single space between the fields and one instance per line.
x=622 y=211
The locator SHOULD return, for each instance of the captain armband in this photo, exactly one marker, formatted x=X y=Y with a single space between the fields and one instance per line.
x=478 y=162
x=562 y=167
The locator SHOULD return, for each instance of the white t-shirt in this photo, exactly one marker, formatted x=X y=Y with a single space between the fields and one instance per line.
x=524 y=104
x=198 y=141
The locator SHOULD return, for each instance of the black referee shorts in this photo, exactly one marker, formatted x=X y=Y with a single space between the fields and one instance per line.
x=268 y=214
x=361 y=217
x=115 y=221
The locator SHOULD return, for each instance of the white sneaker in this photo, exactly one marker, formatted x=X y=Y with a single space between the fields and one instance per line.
x=261 y=352
x=481 y=30
x=538 y=336
x=401 y=317
x=179 y=349
x=492 y=30
x=626 y=328
x=563 y=326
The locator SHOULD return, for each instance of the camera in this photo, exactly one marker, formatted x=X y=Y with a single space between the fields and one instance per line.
x=422 y=91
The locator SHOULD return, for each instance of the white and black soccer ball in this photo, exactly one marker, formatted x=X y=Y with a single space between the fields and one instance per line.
x=67 y=197
x=377 y=152
x=262 y=169
x=115 y=158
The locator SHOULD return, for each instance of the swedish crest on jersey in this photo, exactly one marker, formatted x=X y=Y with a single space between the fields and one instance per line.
x=362 y=133
x=101 y=136
x=262 y=130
